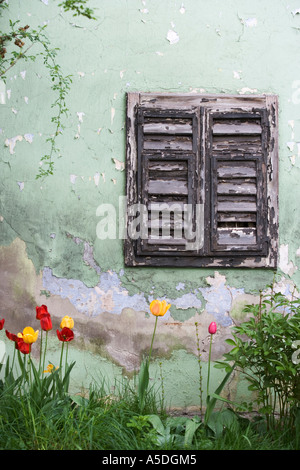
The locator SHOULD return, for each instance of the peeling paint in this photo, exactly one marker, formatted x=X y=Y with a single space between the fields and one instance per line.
x=73 y=178
x=80 y=115
x=29 y=138
x=97 y=178
x=250 y=22
x=285 y=265
x=11 y=143
x=246 y=90
x=112 y=115
x=172 y=37
x=120 y=166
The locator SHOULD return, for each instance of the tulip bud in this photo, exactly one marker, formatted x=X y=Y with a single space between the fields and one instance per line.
x=212 y=328
x=46 y=323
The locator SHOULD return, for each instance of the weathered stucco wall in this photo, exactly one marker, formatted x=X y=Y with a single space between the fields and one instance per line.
x=49 y=249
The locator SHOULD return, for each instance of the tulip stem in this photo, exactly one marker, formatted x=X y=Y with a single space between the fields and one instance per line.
x=66 y=357
x=208 y=372
x=41 y=350
x=150 y=352
x=61 y=356
x=45 y=351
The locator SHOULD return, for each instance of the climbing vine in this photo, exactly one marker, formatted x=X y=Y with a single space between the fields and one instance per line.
x=16 y=44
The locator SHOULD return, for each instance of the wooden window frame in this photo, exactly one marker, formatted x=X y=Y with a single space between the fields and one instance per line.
x=208 y=114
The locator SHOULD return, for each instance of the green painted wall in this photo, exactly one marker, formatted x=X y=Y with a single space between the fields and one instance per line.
x=48 y=240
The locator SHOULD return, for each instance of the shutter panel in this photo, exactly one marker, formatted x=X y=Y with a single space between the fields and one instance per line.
x=167 y=183
x=238 y=182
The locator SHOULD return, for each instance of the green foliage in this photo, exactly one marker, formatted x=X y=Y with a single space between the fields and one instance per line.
x=15 y=44
x=78 y=7
x=263 y=350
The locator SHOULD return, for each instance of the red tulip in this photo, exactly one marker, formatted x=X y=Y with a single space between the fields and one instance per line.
x=212 y=328
x=23 y=347
x=66 y=334
x=2 y=324
x=40 y=311
x=11 y=336
x=46 y=322
x=20 y=344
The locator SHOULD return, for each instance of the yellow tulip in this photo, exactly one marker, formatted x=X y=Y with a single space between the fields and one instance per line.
x=29 y=336
x=50 y=368
x=159 y=308
x=67 y=322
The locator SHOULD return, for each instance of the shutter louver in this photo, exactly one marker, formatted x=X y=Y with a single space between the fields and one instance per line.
x=238 y=182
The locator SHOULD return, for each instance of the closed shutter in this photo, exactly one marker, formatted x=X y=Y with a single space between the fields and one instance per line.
x=167 y=180
x=237 y=156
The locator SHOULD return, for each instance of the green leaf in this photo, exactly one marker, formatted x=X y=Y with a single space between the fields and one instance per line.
x=211 y=403
x=157 y=424
x=190 y=429
x=230 y=341
x=143 y=382
x=235 y=350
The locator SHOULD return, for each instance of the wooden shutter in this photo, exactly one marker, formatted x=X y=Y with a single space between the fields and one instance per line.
x=219 y=152
x=167 y=179
x=237 y=156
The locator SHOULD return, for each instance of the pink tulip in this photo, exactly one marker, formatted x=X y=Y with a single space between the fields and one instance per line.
x=212 y=328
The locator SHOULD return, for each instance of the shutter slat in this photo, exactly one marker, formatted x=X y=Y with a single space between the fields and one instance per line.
x=233 y=169
x=168 y=187
x=236 y=237
x=236 y=188
x=241 y=128
x=165 y=128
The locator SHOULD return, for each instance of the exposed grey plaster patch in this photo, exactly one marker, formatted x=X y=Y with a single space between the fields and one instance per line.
x=180 y=286
x=107 y=296
x=219 y=298
x=88 y=257
x=187 y=301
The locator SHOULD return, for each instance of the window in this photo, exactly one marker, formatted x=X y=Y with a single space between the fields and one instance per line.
x=202 y=180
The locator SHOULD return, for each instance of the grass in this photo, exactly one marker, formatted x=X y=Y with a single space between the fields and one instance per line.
x=103 y=422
